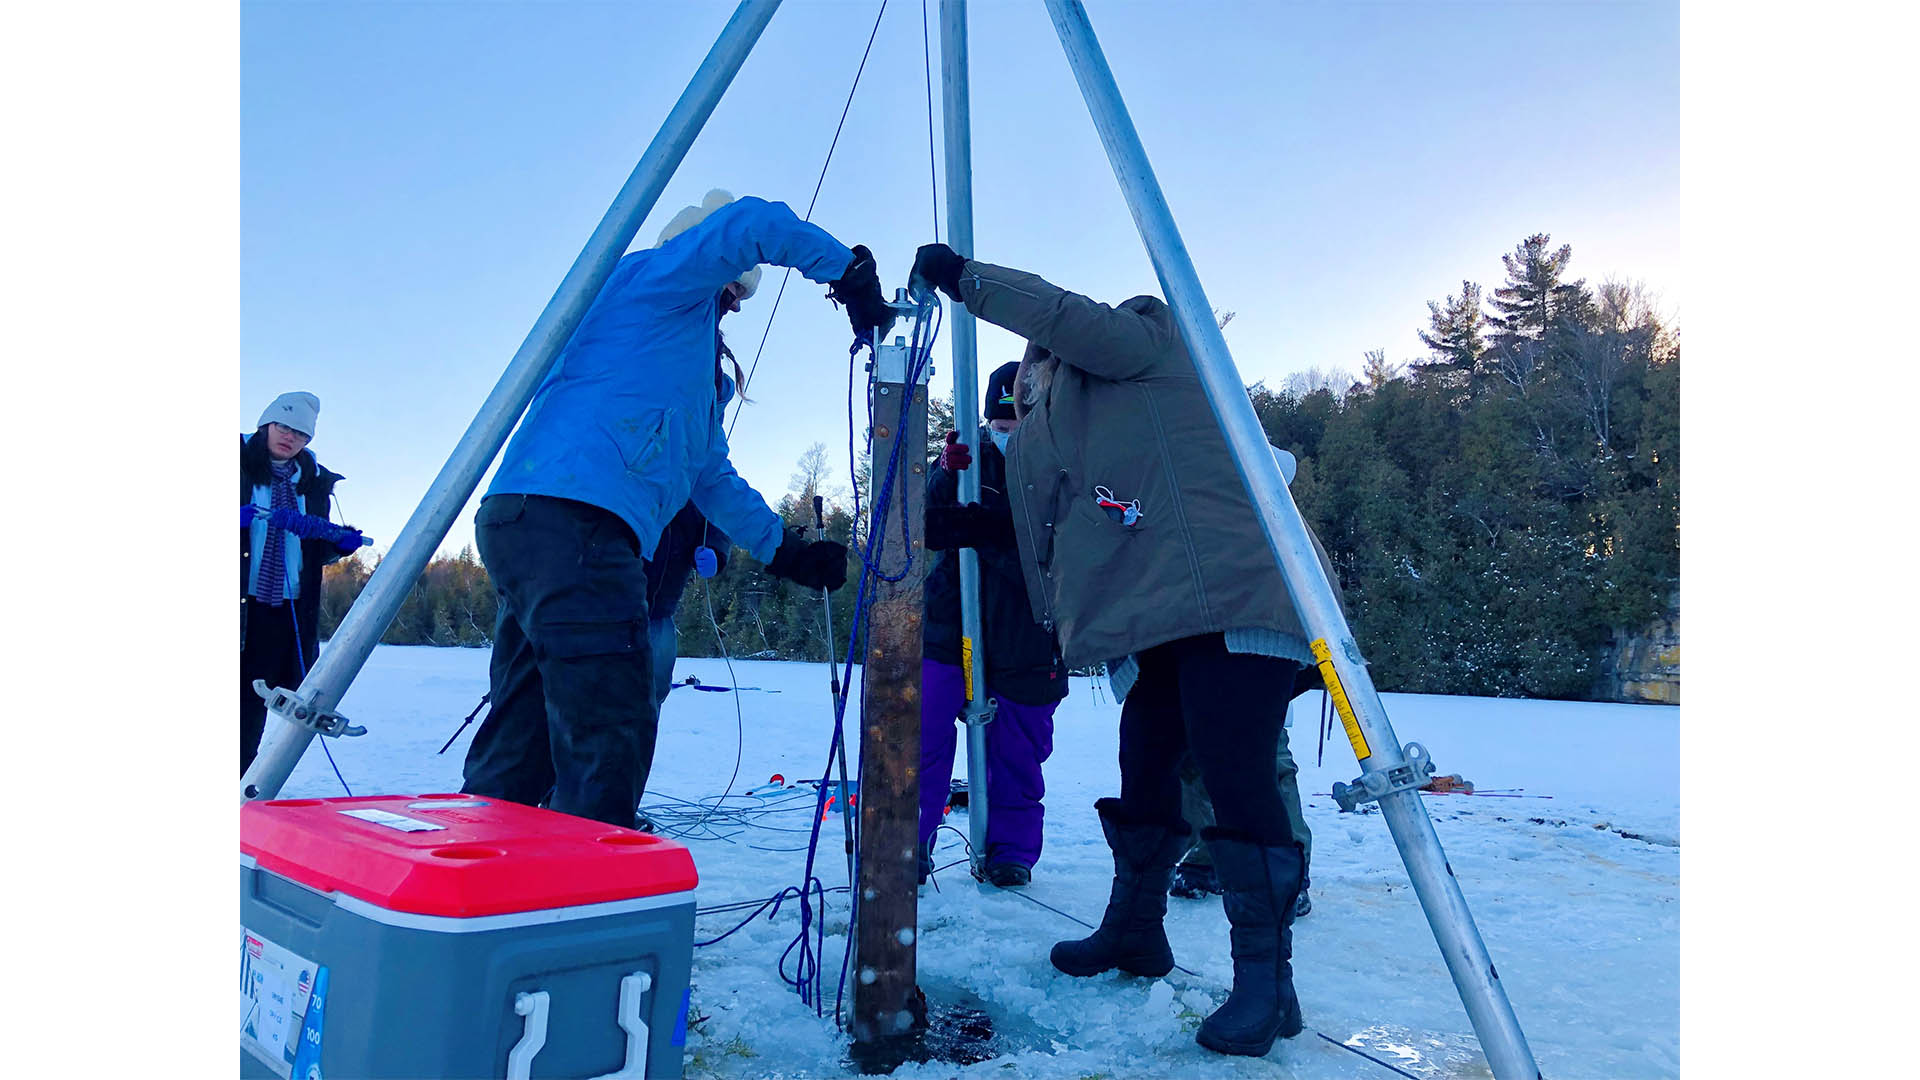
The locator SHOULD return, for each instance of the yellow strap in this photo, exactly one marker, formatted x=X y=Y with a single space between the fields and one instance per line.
x=1324 y=657
x=966 y=663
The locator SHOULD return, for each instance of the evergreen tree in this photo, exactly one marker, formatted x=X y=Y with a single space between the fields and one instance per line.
x=1534 y=301
x=1486 y=542
x=940 y=419
x=1453 y=334
x=340 y=585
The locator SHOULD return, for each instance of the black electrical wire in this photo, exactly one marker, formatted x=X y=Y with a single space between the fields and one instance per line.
x=1369 y=1057
x=933 y=176
x=817 y=184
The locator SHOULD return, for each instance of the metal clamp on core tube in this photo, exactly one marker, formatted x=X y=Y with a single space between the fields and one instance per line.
x=1377 y=784
x=300 y=712
x=906 y=307
x=891 y=360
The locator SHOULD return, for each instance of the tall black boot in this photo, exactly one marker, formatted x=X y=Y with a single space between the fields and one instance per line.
x=1261 y=883
x=1130 y=936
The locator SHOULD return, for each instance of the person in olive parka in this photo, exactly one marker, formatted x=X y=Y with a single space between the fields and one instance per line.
x=1140 y=544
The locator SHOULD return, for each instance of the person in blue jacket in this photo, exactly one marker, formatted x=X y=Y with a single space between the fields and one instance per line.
x=625 y=431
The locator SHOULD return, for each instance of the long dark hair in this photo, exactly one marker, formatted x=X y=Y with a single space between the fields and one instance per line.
x=256 y=461
x=256 y=464
x=739 y=377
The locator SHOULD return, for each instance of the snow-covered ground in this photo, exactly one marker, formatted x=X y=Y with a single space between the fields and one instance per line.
x=1577 y=895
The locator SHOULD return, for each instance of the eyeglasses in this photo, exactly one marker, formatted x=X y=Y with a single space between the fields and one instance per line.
x=282 y=429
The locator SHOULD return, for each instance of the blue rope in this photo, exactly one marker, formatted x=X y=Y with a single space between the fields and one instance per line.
x=805 y=980
x=922 y=352
x=300 y=655
x=309 y=527
x=921 y=355
x=776 y=900
x=806 y=975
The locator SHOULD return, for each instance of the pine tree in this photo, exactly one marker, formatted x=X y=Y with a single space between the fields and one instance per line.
x=340 y=586
x=1533 y=301
x=1486 y=543
x=940 y=416
x=1455 y=339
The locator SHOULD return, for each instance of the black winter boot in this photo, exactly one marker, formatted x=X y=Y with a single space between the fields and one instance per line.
x=1008 y=875
x=1130 y=936
x=1261 y=884
x=1191 y=881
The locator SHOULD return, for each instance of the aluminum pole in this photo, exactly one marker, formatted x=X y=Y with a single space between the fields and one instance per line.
x=1372 y=736
x=320 y=692
x=957 y=116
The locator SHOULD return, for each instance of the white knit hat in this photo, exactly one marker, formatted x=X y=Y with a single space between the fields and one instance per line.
x=296 y=409
x=690 y=216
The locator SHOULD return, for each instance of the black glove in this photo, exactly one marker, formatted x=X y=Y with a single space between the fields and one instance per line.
x=938 y=265
x=859 y=290
x=968 y=526
x=819 y=565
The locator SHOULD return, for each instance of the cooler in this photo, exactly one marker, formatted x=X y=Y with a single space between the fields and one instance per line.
x=456 y=937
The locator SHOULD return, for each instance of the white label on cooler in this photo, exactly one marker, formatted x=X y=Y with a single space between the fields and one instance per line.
x=275 y=987
x=393 y=821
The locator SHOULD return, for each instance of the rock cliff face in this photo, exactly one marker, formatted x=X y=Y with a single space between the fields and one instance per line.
x=1644 y=666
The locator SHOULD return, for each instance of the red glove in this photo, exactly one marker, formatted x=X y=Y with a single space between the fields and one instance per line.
x=956 y=456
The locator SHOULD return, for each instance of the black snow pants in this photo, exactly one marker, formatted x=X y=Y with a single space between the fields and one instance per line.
x=572 y=674
x=1229 y=711
x=271 y=652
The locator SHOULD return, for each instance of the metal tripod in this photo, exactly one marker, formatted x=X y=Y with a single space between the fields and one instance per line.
x=1390 y=773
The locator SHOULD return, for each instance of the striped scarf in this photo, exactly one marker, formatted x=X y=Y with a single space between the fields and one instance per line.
x=270 y=585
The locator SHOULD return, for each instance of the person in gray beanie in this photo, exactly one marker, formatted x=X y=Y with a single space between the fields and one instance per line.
x=286 y=537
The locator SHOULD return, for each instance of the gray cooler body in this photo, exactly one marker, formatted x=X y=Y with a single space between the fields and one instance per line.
x=340 y=987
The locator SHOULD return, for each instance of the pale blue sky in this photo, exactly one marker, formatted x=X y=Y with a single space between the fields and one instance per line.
x=416 y=177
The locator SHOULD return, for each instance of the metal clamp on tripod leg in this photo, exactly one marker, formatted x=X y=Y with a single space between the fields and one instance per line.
x=1378 y=784
x=299 y=711
x=981 y=714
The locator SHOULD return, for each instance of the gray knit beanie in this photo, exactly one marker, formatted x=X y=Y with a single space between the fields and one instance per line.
x=297 y=409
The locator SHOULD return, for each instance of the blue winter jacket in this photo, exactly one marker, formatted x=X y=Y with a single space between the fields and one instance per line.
x=629 y=419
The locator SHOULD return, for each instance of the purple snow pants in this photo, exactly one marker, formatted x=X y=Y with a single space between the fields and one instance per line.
x=1018 y=740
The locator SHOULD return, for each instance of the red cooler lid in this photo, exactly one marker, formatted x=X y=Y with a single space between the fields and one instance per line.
x=459 y=855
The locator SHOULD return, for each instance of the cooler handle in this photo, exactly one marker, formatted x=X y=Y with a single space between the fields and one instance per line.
x=633 y=990
x=520 y=1059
